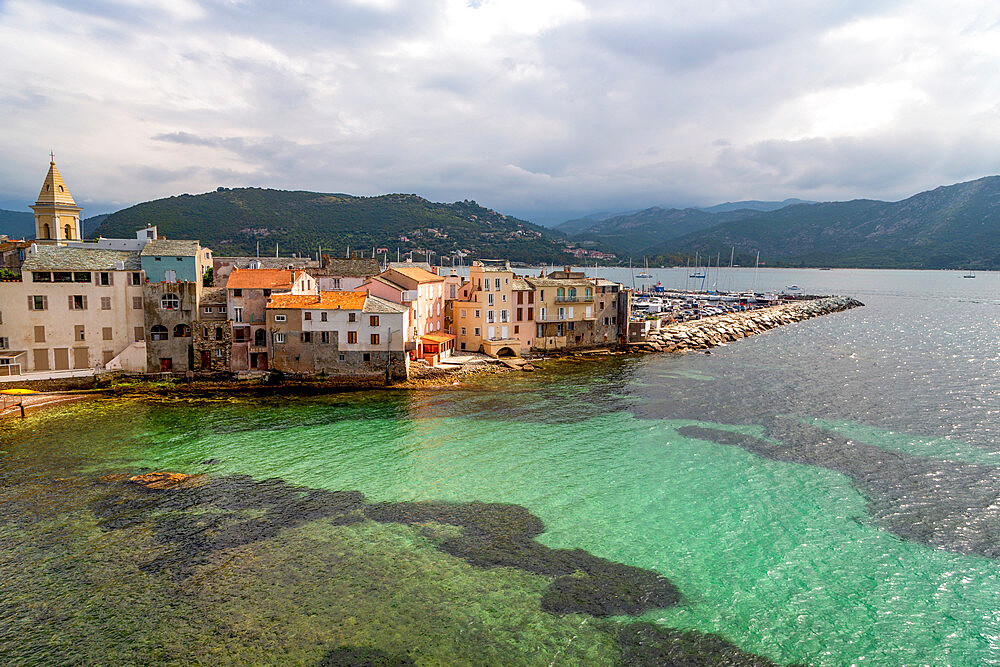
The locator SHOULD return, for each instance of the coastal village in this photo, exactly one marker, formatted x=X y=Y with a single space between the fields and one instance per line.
x=153 y=305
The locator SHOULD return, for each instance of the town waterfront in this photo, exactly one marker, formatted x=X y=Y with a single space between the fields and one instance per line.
x=822 y=494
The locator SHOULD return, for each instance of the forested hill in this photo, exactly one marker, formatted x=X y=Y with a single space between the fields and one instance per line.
x=233 y=221
x=950 y=227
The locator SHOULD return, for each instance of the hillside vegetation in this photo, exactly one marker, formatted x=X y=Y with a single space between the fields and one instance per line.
x=234 y=221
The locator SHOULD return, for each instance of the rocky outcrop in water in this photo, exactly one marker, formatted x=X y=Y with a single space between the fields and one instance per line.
x=712 y=331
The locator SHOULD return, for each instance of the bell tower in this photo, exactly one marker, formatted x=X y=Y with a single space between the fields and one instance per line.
x=57 y=217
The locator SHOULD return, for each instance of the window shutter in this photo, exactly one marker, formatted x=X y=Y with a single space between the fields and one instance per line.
x=85 y=302
x=31 y=303
x=70 y=297
x=111 y=277
x=45 y=303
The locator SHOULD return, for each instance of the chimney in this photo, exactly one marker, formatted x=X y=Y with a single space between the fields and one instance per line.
x=33 y=249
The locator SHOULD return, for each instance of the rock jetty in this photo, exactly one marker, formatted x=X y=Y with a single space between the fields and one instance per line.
x=716 y=330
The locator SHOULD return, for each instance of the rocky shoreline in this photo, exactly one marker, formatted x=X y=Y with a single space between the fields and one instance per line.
x=719 y=329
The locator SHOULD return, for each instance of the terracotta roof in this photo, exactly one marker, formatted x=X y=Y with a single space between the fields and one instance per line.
x=437 y=337
x=322 y=301
x=261 y=279
x=385 y=281
x=417 y=274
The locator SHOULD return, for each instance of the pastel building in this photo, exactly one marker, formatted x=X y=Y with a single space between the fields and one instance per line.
x=72 y=309
x=173 y=261
x=423 y=293
x=483 y=309
x=351 y=333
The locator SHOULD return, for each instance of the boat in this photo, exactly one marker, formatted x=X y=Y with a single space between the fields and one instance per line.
x=644 y=273
x=699 y=274
x=970 y=274
x=793 y=288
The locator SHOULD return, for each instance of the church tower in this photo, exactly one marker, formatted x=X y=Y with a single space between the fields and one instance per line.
x=57 y=217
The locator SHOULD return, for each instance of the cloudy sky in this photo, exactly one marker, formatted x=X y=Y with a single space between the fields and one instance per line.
x=539 y=108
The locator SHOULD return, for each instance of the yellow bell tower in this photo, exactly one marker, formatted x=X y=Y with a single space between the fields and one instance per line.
x=57 y=217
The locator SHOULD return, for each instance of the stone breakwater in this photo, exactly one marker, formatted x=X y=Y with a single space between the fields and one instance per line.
x=711 y=331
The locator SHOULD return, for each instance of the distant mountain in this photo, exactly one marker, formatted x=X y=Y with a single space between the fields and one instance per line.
x=234 y=221
x=950 y=227
x=753 y=205
x=16 y=224
x=634 y=233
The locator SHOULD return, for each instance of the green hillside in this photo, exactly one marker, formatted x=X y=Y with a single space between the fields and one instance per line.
x=950 y=227
x=234 y=221
x=16 y=224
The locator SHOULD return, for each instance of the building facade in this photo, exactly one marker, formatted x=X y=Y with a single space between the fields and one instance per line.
x=172 y=261
x=423 y=293
x=170 y=310
x=482 y=312
x=213 y=332
x=338 y=334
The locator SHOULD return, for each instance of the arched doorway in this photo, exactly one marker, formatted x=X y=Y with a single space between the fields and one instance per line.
x=46 y=231
x=68 y=231
x=505 y=352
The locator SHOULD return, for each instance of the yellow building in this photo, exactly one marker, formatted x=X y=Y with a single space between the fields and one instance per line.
x=483 y=311
x=57 y=217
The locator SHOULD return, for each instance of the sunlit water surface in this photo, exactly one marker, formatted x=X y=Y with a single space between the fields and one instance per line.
x=826 y=493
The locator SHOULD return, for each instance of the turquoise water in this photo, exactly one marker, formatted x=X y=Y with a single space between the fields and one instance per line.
x=823 y=494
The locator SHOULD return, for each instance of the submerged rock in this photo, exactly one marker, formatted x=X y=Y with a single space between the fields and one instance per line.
x=167 y=480
x=359 y=656
x=647 y=644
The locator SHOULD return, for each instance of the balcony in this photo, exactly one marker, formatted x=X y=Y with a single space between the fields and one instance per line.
x=575 y=299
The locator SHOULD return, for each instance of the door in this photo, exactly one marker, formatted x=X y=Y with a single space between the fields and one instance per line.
x=81 y=357
x=503 y=332
x=492 y=333
x=61 y=358
x=166 y=364
x=41 y=359
x=206 y=359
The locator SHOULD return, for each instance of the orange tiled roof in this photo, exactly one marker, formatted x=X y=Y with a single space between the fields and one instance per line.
x=437 y=337
x=261 y=278
x=418 y=274
x=323 y=301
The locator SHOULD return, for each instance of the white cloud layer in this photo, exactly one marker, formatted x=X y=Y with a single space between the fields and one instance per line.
x=543 y=108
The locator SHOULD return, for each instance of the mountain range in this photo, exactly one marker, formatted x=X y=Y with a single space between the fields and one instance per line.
x=950 y=227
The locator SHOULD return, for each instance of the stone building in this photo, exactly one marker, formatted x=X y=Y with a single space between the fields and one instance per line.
x=213 y=332
x=170 y=310
x=345 y=273
x=247 y=292
x=338 y=334
x=223 y=266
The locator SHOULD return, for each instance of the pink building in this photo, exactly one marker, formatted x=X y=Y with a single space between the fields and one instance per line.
x=424 y=293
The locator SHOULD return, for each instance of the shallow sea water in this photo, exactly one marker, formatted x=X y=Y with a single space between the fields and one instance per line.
x=826 y=493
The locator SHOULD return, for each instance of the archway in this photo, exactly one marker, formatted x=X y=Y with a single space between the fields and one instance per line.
x=46 y=231
x=68 y=232
x=505 y=352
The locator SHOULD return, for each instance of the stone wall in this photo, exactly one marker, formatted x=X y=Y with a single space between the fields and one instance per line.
x=215 y=338
x=711 y=331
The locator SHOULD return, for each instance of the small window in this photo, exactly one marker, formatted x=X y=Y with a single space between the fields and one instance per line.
x=280 y=318
x=463 y=331
x=352 y=336
x=324 y=337
x=374 y=339
x=4 y=343
x=170 y=301
x=267 y=292
x=158 y=259
x=218 y=353
x=137 y=303
x=81 y=276
x=475 y=332
x=218 y=333
x=373 y=320
x=136 y=278
x=106 y=333
x=322 y=316
x=341 y=357
x=352 y=317
x=238 y=292
x=41 y=276
x=180 y=259
x=279 y=338
x=78 y=302
x=306 y=336
x=104 y=279
x=182 y=331
x=308 y=316
x=366 y=357
x=105 y=303
x=62 y=276
x=158 y=332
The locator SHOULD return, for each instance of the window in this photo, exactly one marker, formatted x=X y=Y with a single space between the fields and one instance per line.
x=104 y=279
x=106 y=333
x=520 y=314
x=218 y=353
x=158 y=332
x=136 y=278
x=207 y=309
x=531 y=314
x=562 y=313
x=588 y=293
x=237 y=314
x=490 y=316
x=352 y=317
x=62 y=276
x=279 y=338
x=373 y=320
x=308 y=316
x=138 y=333
x=81 y=276
x=531 y=298
x=572 y=294
x=505 y=316
x=41 y=276
x=306 y=336
x=463 y=331
x=180 y=259
x=39 y=334
x=341 y=357
x=541 y=331
x=137 y=303
x=322 y=316
x=517 y=329
x=105 y=303
x=374 y=339
x=478 y=314
x=352 y=336
x=38 y=303
x=237 y=293
x=335 y=283
x=259 y=338
x=503 y=297
x=520 y=297
x=452 y=292
x=366 y=357
x=170 y=276
x=464 y=313
x=170 y=301
x=158 y=259
x=277 y=318
x=267 y=292
x=324 y=336
x=182 y=331
x=4 y=343
x=496 y=283
x=77 y=302
x=475 y=332
x=489 y=300
x=218 y=333
x=559 y=329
